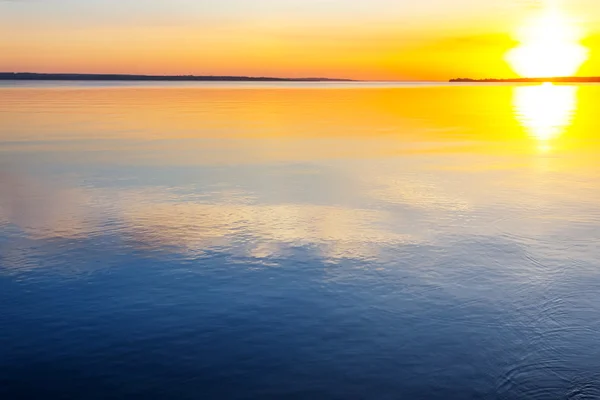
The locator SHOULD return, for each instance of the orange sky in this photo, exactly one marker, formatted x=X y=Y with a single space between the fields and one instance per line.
x=379 y=39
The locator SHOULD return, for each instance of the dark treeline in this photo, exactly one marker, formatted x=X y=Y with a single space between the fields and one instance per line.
x=125 y=77
x=565 y=79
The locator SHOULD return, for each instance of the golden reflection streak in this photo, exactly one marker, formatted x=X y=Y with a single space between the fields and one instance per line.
x=545 y=111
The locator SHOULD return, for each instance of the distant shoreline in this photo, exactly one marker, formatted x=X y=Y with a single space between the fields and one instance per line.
x=31 y=76
x=565 y=79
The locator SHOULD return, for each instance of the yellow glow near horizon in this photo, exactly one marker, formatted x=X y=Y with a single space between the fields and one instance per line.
x=545 y=110
x=549 y=47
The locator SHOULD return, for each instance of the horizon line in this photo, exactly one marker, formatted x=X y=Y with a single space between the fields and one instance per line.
x=178 y=77
x=27 y=75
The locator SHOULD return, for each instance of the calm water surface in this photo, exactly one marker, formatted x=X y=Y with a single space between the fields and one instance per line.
x=307 y=241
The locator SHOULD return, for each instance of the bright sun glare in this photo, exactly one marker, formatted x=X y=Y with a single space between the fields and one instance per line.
x=549 y=47
x=545 y=110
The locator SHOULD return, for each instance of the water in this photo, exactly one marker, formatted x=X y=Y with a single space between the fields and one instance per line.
x=303 y=241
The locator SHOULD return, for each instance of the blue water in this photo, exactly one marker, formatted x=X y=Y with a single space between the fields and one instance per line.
x=359 y=242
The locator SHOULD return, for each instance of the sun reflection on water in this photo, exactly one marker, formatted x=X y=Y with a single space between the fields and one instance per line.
x=545 y=111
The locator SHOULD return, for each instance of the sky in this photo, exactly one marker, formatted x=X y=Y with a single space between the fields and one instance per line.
x=375 y=39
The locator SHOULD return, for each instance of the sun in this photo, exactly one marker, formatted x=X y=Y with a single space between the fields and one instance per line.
x=549 y=47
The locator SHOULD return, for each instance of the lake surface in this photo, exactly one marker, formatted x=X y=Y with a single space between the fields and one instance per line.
x=306 y=241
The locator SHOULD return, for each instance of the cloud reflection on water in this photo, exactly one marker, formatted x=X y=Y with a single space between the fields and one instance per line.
x=44 y=208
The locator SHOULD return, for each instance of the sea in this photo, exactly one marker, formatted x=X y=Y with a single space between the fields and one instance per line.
x=313 y=240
